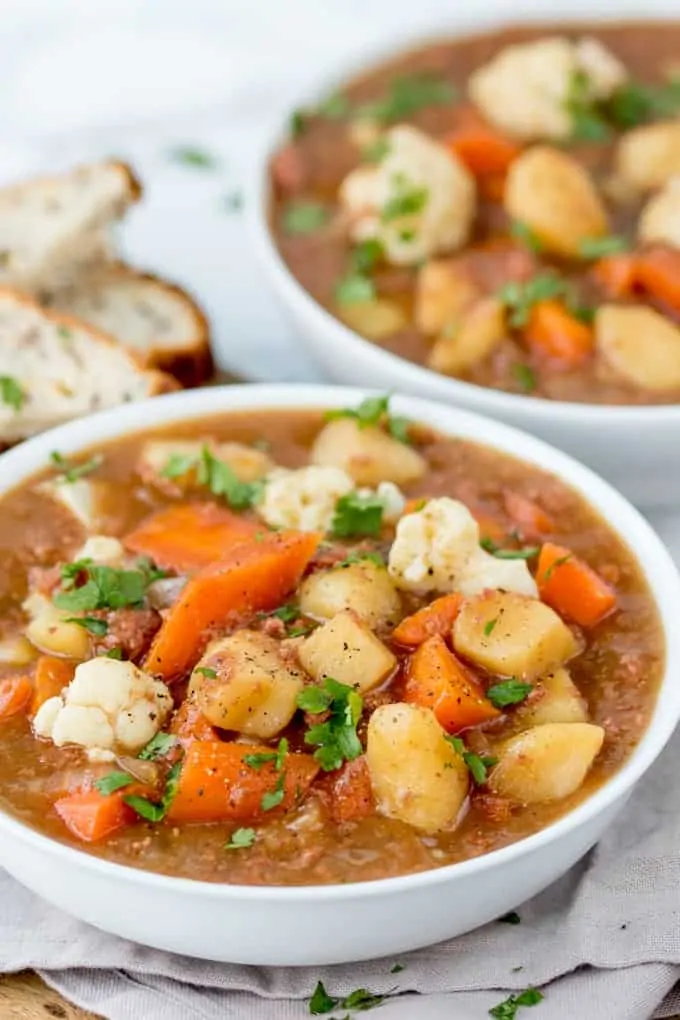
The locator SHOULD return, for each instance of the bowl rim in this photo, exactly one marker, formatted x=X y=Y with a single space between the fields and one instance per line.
x=19 y=464
x=400 y=41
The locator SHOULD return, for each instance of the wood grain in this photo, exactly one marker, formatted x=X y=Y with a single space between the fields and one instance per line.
x=25 y=997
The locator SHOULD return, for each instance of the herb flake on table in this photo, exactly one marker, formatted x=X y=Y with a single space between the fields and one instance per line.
x=397 y=968
x=71 y=472
x=11 y=392
x=336 y=739
x=359 y=1000
x=512 y=917
x=241 y=839
x=192 y=156
x=508 y=692
x=304 y=217
x=508 y=1009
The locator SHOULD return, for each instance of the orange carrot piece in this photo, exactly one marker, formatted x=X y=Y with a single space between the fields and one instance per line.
x=217 y=785
x=553 y=332
x=658 y=273
x=571 y=587
x=492 y=187
x=484 y=152
x=189 y=723
x=437 y=618
x=489 y=526
x=531 y=519
x=189 y=536
x=51 y=676
x=254 y=577
x=439 y=681
x=616 y=274
x=351 y=792
x=15 y=694
x=91 y=815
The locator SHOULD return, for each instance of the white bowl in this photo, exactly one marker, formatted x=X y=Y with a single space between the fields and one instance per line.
x=635 y=448
x=335 y=924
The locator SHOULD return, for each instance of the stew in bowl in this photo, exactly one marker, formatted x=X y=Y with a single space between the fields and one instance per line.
x=502 y=209
x=296 y=647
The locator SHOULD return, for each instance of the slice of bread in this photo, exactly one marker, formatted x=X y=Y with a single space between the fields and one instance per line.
x=89 y=253
x=55 y=367
x=157 y=320
x=45 y=222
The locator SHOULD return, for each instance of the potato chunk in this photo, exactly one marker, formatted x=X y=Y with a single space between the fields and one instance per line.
x=557 y=699
x=376 y=319
x=443 y=292
x=546 y=762
x=253 y=692
x=648 y=156
x=552 y=194
x=415 y=773
x=478 y=333
x=369 y=455
x=247 y=463
x=660 y=219
x=346 y=650
x=640 y=344
x=512 y=635
x=49 y=631
x=364 y=587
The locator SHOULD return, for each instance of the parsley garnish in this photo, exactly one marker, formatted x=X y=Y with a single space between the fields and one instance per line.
x=375 y=411
x=366 y=255
x=11 y=392
x=336 y=739
x=113 y=781
x=507 y=1010
x=525 y=377
x=354 y=289
x=489 y=626
x=206 y=671
x=510 y=918
x=90 y=623
x=508 y=692
x=509 y=554
x=240 y=839
x=526 y=236
x=477 y=764
x=408 y=200
x=216 y=476
x=73 y=472
x=553 y=566
x=151 y=811
x=157 y=747
x=361 y=556
x=114 y=653
x=256 y=761
x=286 y=613
x=376 y=151
x=298 y=123
x=406 y=95
x=304 y=217
x=335 y=107
x=272 y=798
x=103 y=587
x=634 y=103
x=357 y=514
x=599 y=247
x=360 y=999
x=188 y=155
x=519 y=298
x=587 y=121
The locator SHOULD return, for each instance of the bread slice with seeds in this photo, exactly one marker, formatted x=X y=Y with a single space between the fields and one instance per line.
x=157 y=320
x=45 y=222
x=55 y=367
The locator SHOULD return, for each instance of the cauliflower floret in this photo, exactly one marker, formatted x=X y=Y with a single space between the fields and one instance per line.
x=524 y=89
x=108 y=707
x=80 y=498
x=437 y=549
x=102 y=550
x=660 y=218
x=304 y=499
x=393 y=500
x=419 y=201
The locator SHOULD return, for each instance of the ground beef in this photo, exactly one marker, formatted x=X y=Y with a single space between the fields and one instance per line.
x=131 y=630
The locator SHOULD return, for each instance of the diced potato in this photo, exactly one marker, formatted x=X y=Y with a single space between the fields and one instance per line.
x=363 y=587
x=640 y=344
x=16 y=651
x=375 y=319
x=546 y=762
x=80 y=498
x=253 y=692
x=443 y=292
x=49 y=632
x=346 y=650
x=552 y=194
x=512 y=635
x=415 y=773
x=648 y=156
x=369 y=455
x=557 y=699
x=479 y=332
x=660 y=219
x=247 y=463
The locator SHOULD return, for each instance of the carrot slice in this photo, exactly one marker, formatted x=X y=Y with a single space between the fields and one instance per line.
x=15 y=694
x=254 y=577
x=351 y=792
x=189 y=723
x=189 y=536
x=553 y=332
x=658 y=273
x=437 y=618
x=529 y=517
x=484 y=152
x=571 y=587
x=616 y=274
x=438 y=680
x=91 y=815
x=216 y=784
x=51 y=676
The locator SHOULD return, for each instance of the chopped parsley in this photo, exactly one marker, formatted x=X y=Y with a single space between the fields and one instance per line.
x=357 y=514
x=288 y=614
x=599 y=247
x=508 y=692
x=157 y=747
x=367 y=254
x=189 y=155
x=278 y=757
x=489 y=626
x=361 y=556
x=525 y=377
x=272 y=798
x=360 y=1000
x=519 y=298
x=408 y=200
x=335 y=107
x=103 y=587
x=90 y=623
x=304 y=217
x=217 y=476
x=507 y=1010
x=588 y=123
x=408 y=94
x=11 y=392
x=527 y=237
x=240 y=839
x=113 y=781
x=477 y=764
x=298 y=123
x=375 y=411
x=206 y=671
x=509 y=554
x=510 y=918
x=73 y=472
x=553 y=566
x=635 y=103
x=114 y=653
x=336 y=739
x=397 y=968
x=150 y=810
x=354 y=288
x=376 y=151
